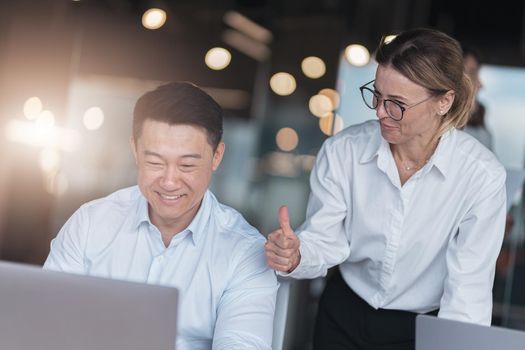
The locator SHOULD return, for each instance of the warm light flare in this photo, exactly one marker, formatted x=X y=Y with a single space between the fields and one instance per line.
x=46 y=120
x=154 y=18
x=287 y=139
x=320 y=105
x=283 y=83
x=332 y=95
x=327 y=127
x=93 y=118
x=217 y=58
x=389 y=38
x=49 y=160
x=313 y=67
x=357 y=55
x=31 y=133
x=32 y=108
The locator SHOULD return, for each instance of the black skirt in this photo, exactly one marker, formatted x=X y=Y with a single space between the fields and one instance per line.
x=345 y=321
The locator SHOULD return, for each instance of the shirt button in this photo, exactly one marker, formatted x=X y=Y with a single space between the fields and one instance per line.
x=160 y=258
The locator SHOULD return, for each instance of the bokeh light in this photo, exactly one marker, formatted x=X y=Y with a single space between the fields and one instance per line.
x=45 y=120
x=333 y=96
x=287 y=139
x=283 y=83
x=320 y=105
x=389 y=38
x=357 y=55
x=154 y=18
x=32 y=108
x=326 y=124
x=313 y=67
x=93 y=118
x=217 y=58
x=49 y=160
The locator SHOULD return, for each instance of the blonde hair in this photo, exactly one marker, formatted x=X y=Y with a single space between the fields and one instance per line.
x=433 y=60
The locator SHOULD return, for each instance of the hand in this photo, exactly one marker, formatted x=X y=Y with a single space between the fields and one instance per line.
x=282 y=246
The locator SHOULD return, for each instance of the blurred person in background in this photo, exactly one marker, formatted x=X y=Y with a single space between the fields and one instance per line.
x=477 y=128
x=410 y=209
x=476 y=122
x=171 y=230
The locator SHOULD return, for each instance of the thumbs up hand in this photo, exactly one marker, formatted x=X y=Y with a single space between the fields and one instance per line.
x=282 y=246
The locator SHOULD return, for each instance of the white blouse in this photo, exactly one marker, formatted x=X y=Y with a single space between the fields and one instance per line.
x=431 y=243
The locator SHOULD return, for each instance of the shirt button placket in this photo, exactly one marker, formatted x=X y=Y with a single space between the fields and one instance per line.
x=155 y=270
x=392 y=246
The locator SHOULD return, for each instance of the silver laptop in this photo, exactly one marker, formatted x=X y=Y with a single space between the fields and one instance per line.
x=434 y=333
x=49 y=310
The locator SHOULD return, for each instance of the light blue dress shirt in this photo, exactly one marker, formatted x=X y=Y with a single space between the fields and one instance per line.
x=227 y=292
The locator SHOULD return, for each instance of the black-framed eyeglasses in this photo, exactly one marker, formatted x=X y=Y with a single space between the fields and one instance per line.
x=392 y=108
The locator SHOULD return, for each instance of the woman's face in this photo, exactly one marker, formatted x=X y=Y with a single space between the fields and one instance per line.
x=419 y=122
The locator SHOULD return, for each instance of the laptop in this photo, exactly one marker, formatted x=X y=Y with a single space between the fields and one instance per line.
x=434 y=333
x=50 y=310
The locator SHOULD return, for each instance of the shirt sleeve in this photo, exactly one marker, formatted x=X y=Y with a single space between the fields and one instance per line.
x=471 y=257
x=246 y=309
x=323 y=238
x=67 y=252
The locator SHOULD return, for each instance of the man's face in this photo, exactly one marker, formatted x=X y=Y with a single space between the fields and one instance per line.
x=472 y=67
x=175 y=164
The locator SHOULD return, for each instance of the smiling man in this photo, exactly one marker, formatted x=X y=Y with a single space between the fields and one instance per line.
x=171 y=230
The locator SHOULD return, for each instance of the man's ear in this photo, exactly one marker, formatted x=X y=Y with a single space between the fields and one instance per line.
x=217 y=155
x=133 y=146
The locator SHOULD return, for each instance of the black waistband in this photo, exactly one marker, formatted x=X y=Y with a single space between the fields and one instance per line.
x=339 y=282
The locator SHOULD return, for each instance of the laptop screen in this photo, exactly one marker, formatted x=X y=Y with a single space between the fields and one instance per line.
x=434 y=333
x=51 y=310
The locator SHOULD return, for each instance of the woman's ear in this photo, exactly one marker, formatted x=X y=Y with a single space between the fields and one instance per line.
x=445 y=102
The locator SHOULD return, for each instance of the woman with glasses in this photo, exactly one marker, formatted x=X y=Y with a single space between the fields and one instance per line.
x=411 y=209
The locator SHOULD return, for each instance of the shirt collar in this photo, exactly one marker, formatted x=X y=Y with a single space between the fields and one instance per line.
x=197 y=225
x=441 y=157
x=377 y=146
x=373 y=146
x=142 y=211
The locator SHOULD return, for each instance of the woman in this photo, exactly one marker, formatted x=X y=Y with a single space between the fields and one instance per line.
x=410 y=208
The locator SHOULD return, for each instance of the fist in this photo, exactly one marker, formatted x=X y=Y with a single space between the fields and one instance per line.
x=282 y=246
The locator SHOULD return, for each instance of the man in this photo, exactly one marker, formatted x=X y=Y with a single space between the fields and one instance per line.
x=476 y=124
x=171 y=230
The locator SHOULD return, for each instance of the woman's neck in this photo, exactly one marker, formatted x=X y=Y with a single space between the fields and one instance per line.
x=410 y=158
x=414 y=152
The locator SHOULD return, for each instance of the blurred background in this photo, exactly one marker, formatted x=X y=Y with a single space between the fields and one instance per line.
x=287 y=75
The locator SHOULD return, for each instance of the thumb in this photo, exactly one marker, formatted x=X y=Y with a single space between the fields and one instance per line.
x=284 y=221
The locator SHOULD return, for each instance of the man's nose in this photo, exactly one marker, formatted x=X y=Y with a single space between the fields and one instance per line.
x=170 y=178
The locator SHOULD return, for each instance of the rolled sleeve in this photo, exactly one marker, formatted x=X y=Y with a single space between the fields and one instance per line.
x=323 y=239
x=246 y=310
x=67 y=248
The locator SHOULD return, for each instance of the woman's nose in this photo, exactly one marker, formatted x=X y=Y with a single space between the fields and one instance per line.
x=381 y=111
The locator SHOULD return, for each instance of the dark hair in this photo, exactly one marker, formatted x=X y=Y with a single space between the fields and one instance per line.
x=472 y=51
x=477 y=115
x=180 y=103
x=433 y=60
